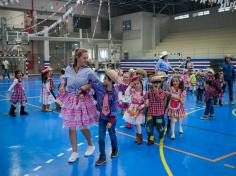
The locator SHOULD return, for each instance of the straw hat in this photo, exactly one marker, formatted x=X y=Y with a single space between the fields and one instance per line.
x=163 y=53
x=141 y=71
x=209 y=70
x=131 y=70
x=229 y=56
x=112 y=75
x=158 y=76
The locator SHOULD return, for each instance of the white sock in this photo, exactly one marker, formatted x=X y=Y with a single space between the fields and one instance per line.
x=139 y=129
x=173 y=127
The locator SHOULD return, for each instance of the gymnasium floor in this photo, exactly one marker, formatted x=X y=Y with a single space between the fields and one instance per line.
x=37 y=145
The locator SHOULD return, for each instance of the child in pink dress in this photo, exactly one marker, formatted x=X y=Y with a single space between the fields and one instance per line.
x=175 y=109
x=18 y=95
x=135 y=112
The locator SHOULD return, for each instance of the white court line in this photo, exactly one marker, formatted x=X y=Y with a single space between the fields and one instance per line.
x=80 y=144
x=26 y=175
x=60 y=154
x=49 y=161
x=37 y=168
x=14 y=146
x=69 y=149
x=122 y=126
x=96 y=136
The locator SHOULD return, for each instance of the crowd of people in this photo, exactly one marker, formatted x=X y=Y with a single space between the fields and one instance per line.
x=147 y=101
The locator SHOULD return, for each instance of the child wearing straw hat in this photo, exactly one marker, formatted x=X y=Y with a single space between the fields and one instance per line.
x=154 y=101
x=107 y=104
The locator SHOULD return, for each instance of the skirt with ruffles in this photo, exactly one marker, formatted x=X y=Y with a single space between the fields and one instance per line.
x=77 y=110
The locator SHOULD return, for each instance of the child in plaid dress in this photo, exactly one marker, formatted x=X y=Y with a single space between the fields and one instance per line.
x=175 y=108
x=154 y=100
x=135 y=112
x=18 y=95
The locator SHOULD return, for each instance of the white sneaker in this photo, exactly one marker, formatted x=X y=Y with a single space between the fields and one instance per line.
x=181 y=130
x=173 y=136
x=90 y=150
x=74 y=156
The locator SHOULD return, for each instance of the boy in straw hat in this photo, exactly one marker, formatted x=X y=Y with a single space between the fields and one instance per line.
x=154 y=100
x=107 y=104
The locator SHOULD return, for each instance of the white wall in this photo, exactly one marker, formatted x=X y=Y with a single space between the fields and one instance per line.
x=145 y=31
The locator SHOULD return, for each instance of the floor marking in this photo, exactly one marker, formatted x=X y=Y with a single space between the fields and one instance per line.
x=227 y=165
x=69 y=149
x=96 y=136
x=49 y=161
x=60 y=154
x=80 y=144
x=234 y=112
x=192 y=108
x=26 y=175
x=37 y=168
x=163 y=160
x=14 y=147
x=225 y=156
x=122 y=126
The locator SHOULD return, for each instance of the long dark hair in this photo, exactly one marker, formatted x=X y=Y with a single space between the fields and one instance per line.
x=181 y=83
x=18 y=71
x=78 y=53
x=44 y=77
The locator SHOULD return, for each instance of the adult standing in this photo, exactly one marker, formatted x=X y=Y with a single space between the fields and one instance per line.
x=162 y=64
x=78 y=107
x=5 y=66
x=187 y=64
x=229 y=75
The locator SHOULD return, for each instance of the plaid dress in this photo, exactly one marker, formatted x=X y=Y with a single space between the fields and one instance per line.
x=18 y=95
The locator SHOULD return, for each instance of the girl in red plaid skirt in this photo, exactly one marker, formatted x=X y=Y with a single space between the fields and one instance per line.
x=18 y=95
x=175 y=108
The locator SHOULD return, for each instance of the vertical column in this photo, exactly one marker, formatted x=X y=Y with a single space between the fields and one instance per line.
x=80 y=36
x=96 y=57
x=46 y=49
x=26 y=67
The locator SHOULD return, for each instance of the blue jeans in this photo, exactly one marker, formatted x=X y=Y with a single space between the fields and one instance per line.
x=102 y=135
x=200 y=94
x=6 y=72
x=209 y=107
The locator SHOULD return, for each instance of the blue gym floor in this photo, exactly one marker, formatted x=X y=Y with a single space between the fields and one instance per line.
x=37 y=145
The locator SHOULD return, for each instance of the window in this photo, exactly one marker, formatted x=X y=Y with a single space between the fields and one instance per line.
x=182 y=17
x=207 y=12
x=126 y=25
x=104 y=25
x=81 y=23
x=102 y=54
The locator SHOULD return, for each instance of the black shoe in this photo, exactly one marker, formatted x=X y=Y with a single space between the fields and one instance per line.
x=150 y=142
x=22 y=111
x=101 y=161
x=12 y=111
x=161 y=135
x=114 y=153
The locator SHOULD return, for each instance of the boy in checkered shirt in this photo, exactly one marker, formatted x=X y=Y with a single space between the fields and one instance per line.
x=154 y=100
